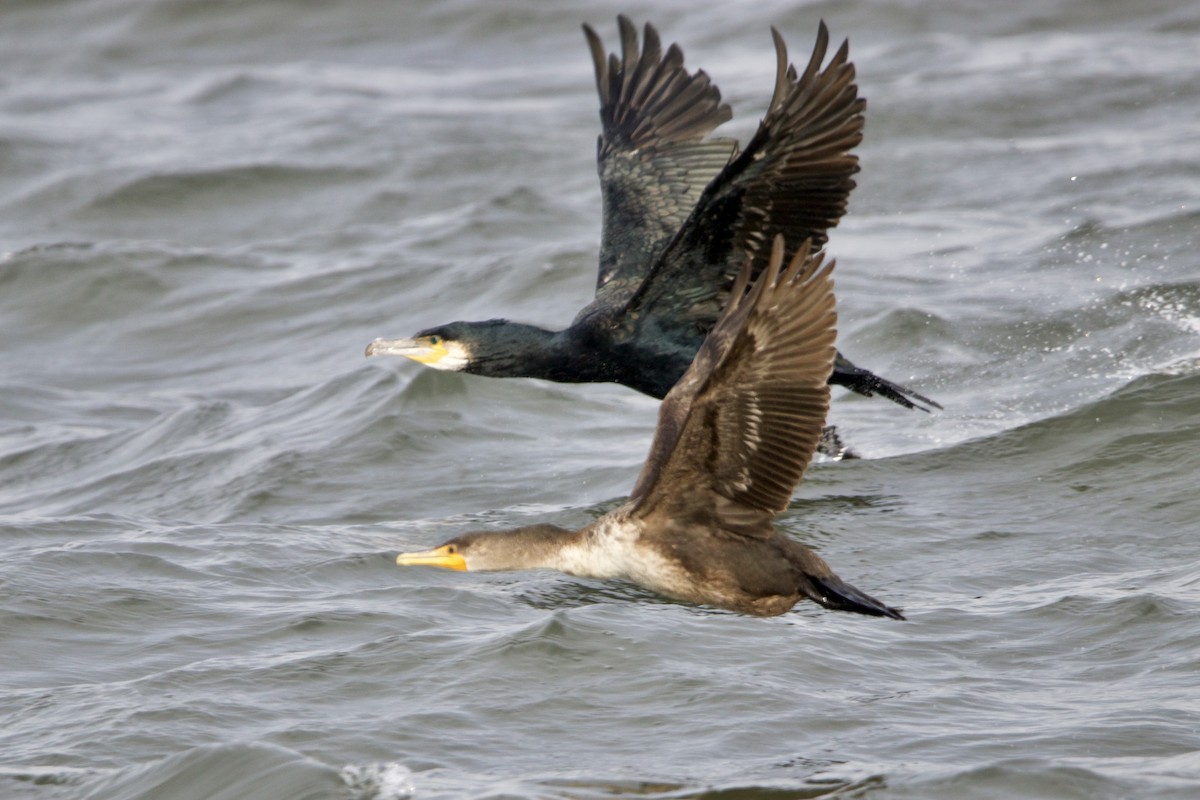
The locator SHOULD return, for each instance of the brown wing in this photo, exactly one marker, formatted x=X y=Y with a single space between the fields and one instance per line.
x=793 y=178
x=652 y=157
x=737 y=431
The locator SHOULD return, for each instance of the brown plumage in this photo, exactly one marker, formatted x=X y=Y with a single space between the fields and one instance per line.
x=734 y=437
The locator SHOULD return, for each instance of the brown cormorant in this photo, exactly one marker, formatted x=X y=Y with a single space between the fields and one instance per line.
x=734 y=437
x=680 y=214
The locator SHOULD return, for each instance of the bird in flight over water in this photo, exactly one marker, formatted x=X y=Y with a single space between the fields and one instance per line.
x=734 y=437
x=680 y=212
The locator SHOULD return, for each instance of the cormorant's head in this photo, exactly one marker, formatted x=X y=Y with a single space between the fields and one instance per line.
x=524 y=548
x=448 y=556
x=444 y=347
x=495 y=347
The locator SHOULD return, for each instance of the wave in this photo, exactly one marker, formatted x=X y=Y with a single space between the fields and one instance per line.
x=224 y=772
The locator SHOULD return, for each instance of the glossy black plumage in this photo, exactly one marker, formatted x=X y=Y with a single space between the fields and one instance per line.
x=682 y=212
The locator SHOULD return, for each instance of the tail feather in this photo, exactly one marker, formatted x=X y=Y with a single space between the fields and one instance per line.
x=831 y=591
x=867 y=383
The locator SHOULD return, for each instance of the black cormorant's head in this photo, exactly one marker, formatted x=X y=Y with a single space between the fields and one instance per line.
x=447 y=347
x=494 y=347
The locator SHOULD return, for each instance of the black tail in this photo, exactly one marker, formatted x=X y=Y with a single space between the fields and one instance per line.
x=832 y=592
x=868 y=384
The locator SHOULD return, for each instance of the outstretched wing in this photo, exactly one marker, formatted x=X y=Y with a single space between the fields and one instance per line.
x=793 y=179
x=652 y=157
x=737 y=431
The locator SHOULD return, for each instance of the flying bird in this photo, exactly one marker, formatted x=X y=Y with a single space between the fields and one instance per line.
x=680 y=213
x=734 y=437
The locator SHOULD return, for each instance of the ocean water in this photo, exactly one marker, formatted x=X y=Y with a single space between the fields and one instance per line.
x=207 y=209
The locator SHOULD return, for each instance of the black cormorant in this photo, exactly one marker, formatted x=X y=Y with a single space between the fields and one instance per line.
x=734 y=437
x=680 y=213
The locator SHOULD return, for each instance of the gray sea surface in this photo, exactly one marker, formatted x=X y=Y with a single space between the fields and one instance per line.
x=207 y=209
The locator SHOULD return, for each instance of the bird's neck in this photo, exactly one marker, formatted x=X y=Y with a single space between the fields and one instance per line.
x=590 y=351
x=531 y=547
x=603 y=549
x=511 y=350
x=516 y=350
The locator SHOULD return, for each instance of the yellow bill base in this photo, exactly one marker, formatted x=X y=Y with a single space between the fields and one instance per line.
x=441 y=557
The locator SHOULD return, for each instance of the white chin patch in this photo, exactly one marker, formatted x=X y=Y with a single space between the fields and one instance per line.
x=449 y=363
x=449 y=356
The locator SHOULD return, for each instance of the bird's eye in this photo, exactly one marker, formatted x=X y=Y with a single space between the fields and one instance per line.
x=435 y=340
x=451 y=548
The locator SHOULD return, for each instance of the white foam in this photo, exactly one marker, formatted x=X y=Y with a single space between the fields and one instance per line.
x=389 y=781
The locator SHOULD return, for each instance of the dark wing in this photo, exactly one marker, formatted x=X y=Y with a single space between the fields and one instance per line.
x=651 y=156
x=737 y=431
x=793 y=178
